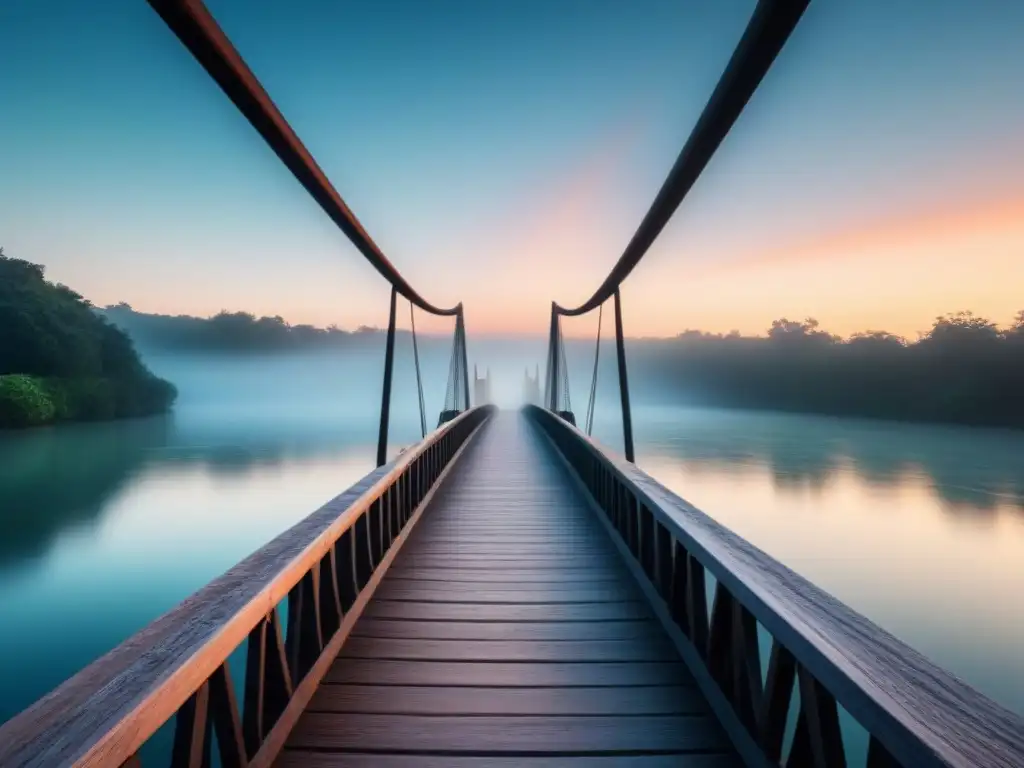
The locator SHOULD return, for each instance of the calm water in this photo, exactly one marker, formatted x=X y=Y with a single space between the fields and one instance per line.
x=104 y=527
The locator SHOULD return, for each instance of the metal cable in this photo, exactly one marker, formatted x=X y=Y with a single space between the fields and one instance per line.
x=566 y=403
x=770 y=26
x=199 y=32
x=419 y=378
x=593 y=381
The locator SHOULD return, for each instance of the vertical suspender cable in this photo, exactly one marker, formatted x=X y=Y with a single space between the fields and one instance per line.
x=385 y=403
x=461 y=320
x=553 y=375
x=620 y=348
x=589 y=424
x=419 y=378
x=566 y=404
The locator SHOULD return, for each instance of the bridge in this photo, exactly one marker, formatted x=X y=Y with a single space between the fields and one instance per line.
x=507 y=591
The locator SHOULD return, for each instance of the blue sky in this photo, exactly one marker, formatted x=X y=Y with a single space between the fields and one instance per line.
x=502 y=153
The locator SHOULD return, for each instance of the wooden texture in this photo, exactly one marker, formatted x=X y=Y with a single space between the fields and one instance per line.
x=511 y=734
x=920 y=714
x=304 y=759
x=508 y=627
x=102 y=715
x=412 y=700
x=502 y=630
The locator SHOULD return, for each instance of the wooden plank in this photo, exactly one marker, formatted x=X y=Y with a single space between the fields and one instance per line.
x=392 y=609
x=509 y=734
x=496 y=562
x=497 y=674
x=461 y=592
x=372 y=699
x=494 y=630
x=509 y=650
x=305 y=759
x=546 y=566
x=435 y=575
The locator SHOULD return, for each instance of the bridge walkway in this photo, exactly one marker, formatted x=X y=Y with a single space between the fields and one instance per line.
x=508 y=631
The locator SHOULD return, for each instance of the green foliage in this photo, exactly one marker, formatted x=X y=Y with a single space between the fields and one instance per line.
x=81 y=366
x=963 y=370
x=24 y=402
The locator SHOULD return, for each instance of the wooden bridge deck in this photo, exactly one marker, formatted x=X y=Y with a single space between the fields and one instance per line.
x=508 y=631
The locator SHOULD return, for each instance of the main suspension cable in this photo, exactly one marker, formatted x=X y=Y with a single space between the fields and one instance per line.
x=770 y=26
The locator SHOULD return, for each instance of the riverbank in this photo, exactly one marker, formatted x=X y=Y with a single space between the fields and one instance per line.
x=34 y=401
x=60 y=360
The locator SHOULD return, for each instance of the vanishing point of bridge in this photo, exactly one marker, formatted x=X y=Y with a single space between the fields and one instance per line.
x=507 y=591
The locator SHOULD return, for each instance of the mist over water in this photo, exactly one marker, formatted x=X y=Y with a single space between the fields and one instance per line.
x=106 y=526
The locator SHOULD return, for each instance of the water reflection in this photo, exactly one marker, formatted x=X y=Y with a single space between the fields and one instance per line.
x=971 y=471
x=58 y=478
x=103 y=527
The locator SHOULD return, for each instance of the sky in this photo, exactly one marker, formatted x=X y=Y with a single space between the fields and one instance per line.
x=503 y=153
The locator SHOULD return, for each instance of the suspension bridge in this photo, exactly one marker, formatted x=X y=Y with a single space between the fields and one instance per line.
x=507 y=591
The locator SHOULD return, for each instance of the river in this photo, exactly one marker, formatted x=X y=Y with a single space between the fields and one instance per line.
x=106 y=526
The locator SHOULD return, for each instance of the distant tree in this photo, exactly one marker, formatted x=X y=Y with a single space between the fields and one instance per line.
x=961 y=328
x=877 y=340
x=791 y=330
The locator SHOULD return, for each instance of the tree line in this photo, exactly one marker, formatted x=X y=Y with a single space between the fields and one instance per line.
x=227 y=332
x=60 y=360
x=965 y=369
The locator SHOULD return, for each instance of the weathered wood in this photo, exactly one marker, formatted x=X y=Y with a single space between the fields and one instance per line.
x=651 y=649
x=643 y=630
x=102 y=715
x=388 y=609
x=304 y=691
x=778 y=692
x=517 y=735
x=410 y=700
x=515 y=646
x=461 y=592
x=255 y=674
x=305 y=759
x=191 y=747
x=920 y=713
x=511 y=577
x=820 y=717
x=226 y=719
x=747 y=690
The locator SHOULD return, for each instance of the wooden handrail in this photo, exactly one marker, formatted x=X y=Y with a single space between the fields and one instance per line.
x=325 y=566
x=915 y=713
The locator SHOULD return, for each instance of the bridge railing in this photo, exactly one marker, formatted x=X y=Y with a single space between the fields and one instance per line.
x=822 y=654
x=320 y=574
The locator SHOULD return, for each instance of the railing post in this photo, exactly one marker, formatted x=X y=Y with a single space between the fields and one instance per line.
x=620 y=348
x=385 y=402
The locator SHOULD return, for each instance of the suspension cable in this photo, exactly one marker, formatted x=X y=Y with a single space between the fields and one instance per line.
x=589 y=423
x=200 y=33
x=419 y=379
x=770 y=26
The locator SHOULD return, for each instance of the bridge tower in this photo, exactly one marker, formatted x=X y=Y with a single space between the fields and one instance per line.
x=481 y=387
x=531 y=387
